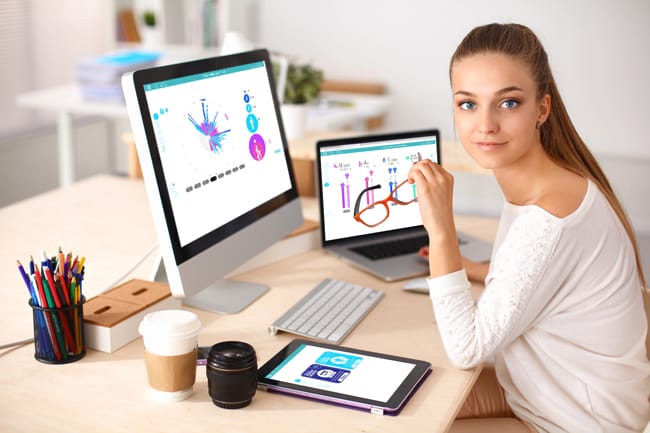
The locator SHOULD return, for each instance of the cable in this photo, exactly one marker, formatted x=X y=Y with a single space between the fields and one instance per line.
x=134 y=267
x=16 y=343
x=151 y=249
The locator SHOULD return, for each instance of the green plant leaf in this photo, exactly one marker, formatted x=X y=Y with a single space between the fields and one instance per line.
x=303 y=84
x=149 y=18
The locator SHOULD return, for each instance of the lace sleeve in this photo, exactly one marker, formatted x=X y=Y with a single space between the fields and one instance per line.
x=472 y=331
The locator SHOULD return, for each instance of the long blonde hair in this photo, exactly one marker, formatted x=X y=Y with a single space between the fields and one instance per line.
x=559 y=137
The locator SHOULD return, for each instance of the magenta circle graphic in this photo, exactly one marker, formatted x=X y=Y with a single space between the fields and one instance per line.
x=257 y=147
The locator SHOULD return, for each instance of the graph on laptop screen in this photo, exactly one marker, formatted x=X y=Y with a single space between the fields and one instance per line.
x=348 y=169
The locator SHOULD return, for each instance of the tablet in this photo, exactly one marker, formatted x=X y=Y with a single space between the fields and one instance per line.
x=379 y=383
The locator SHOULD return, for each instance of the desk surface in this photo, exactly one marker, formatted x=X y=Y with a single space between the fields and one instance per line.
x=69 y=98
x=108 y=221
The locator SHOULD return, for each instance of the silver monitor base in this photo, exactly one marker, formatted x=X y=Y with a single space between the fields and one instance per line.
x=224 y=297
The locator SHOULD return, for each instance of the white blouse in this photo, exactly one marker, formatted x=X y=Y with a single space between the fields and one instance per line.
x=562 y=314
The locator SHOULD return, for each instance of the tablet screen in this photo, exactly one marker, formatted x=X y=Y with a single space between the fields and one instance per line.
x=358 y=376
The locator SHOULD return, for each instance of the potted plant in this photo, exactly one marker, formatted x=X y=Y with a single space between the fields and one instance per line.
x=302 y=87
x=150 y=31
x=149 y=18
x=303 y=84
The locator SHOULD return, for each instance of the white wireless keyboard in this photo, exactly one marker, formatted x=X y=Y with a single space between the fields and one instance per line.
x=329 y=312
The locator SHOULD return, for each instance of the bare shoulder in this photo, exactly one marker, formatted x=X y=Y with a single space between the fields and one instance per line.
x=564 y=195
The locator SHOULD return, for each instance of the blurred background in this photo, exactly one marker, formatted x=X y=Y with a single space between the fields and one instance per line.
x=599 y=51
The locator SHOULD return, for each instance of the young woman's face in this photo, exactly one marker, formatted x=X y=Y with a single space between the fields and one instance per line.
x=496 y=109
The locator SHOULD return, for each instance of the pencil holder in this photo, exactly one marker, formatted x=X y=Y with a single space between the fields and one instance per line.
x=59 y=333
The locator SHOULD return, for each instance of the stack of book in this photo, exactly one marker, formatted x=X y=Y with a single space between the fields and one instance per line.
x=100 y=76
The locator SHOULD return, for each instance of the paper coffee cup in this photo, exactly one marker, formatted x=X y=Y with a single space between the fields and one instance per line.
x=170 y=342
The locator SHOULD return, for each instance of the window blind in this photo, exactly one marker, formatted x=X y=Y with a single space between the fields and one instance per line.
x=15 y=74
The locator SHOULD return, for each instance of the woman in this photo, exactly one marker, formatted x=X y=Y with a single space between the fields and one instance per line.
x=562 y=313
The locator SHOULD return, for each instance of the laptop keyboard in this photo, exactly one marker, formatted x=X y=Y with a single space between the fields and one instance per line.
x=329 y=312
x=392 y=248
x=395 y=247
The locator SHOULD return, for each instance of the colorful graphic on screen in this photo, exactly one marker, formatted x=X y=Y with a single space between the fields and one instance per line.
x=257 y=147
x=348 y=172
x=220 y=145
x=212 y=129
x=361 y=376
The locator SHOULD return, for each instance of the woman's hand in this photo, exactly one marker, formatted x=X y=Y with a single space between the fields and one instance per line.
x=435 y=189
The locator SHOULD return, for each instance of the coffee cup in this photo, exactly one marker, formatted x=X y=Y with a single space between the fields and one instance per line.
x=171 y=344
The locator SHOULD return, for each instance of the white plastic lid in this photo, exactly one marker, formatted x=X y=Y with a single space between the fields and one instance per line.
x=176 y=324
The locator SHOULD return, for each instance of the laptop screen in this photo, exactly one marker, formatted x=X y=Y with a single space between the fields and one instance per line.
x=347 y=167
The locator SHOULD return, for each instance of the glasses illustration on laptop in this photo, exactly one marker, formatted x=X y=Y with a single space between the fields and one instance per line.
x=378 y=211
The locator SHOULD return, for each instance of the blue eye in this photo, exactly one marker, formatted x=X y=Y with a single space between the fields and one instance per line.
x=510 y=104
x=467 y=105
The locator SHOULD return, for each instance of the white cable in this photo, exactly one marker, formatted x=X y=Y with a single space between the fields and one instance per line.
x=119 y=280
x=16 y=343
x=134 y=267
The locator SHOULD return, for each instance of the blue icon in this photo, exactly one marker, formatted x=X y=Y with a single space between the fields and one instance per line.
x=328 y=374
x=249 y=108
x=341 y=360
x=251 y=123
x=246 y=98
x=155 y=116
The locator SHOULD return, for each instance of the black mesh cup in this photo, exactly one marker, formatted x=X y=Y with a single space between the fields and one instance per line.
x=59 y=333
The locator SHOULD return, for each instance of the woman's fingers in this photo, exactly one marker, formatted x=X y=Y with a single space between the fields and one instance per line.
x=435 y=195
x=421 y=168
x=427 y=171
x=430 y=176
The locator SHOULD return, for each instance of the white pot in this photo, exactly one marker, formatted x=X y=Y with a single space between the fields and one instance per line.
x=294 y=118
x=152 y=37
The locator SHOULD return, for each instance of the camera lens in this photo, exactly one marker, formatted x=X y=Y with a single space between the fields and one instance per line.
x=232 y=374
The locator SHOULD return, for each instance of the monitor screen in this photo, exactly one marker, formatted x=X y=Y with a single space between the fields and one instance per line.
x=219 y=143
x=215 y=161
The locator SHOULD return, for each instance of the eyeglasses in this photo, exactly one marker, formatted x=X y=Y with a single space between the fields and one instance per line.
x=378 y=211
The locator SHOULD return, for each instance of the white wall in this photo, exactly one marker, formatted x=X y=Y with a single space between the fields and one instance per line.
x=599 y=51
x=63 y=31
x=40 y=42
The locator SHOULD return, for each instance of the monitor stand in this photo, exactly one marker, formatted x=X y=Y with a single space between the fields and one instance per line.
x=223 y=297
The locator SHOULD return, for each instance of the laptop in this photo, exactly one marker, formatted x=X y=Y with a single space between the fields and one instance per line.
x=354 y=173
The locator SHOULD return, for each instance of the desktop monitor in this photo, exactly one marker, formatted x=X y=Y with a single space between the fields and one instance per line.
x=217 y=171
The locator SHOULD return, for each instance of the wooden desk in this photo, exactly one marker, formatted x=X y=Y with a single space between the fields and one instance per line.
x=107 y=219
